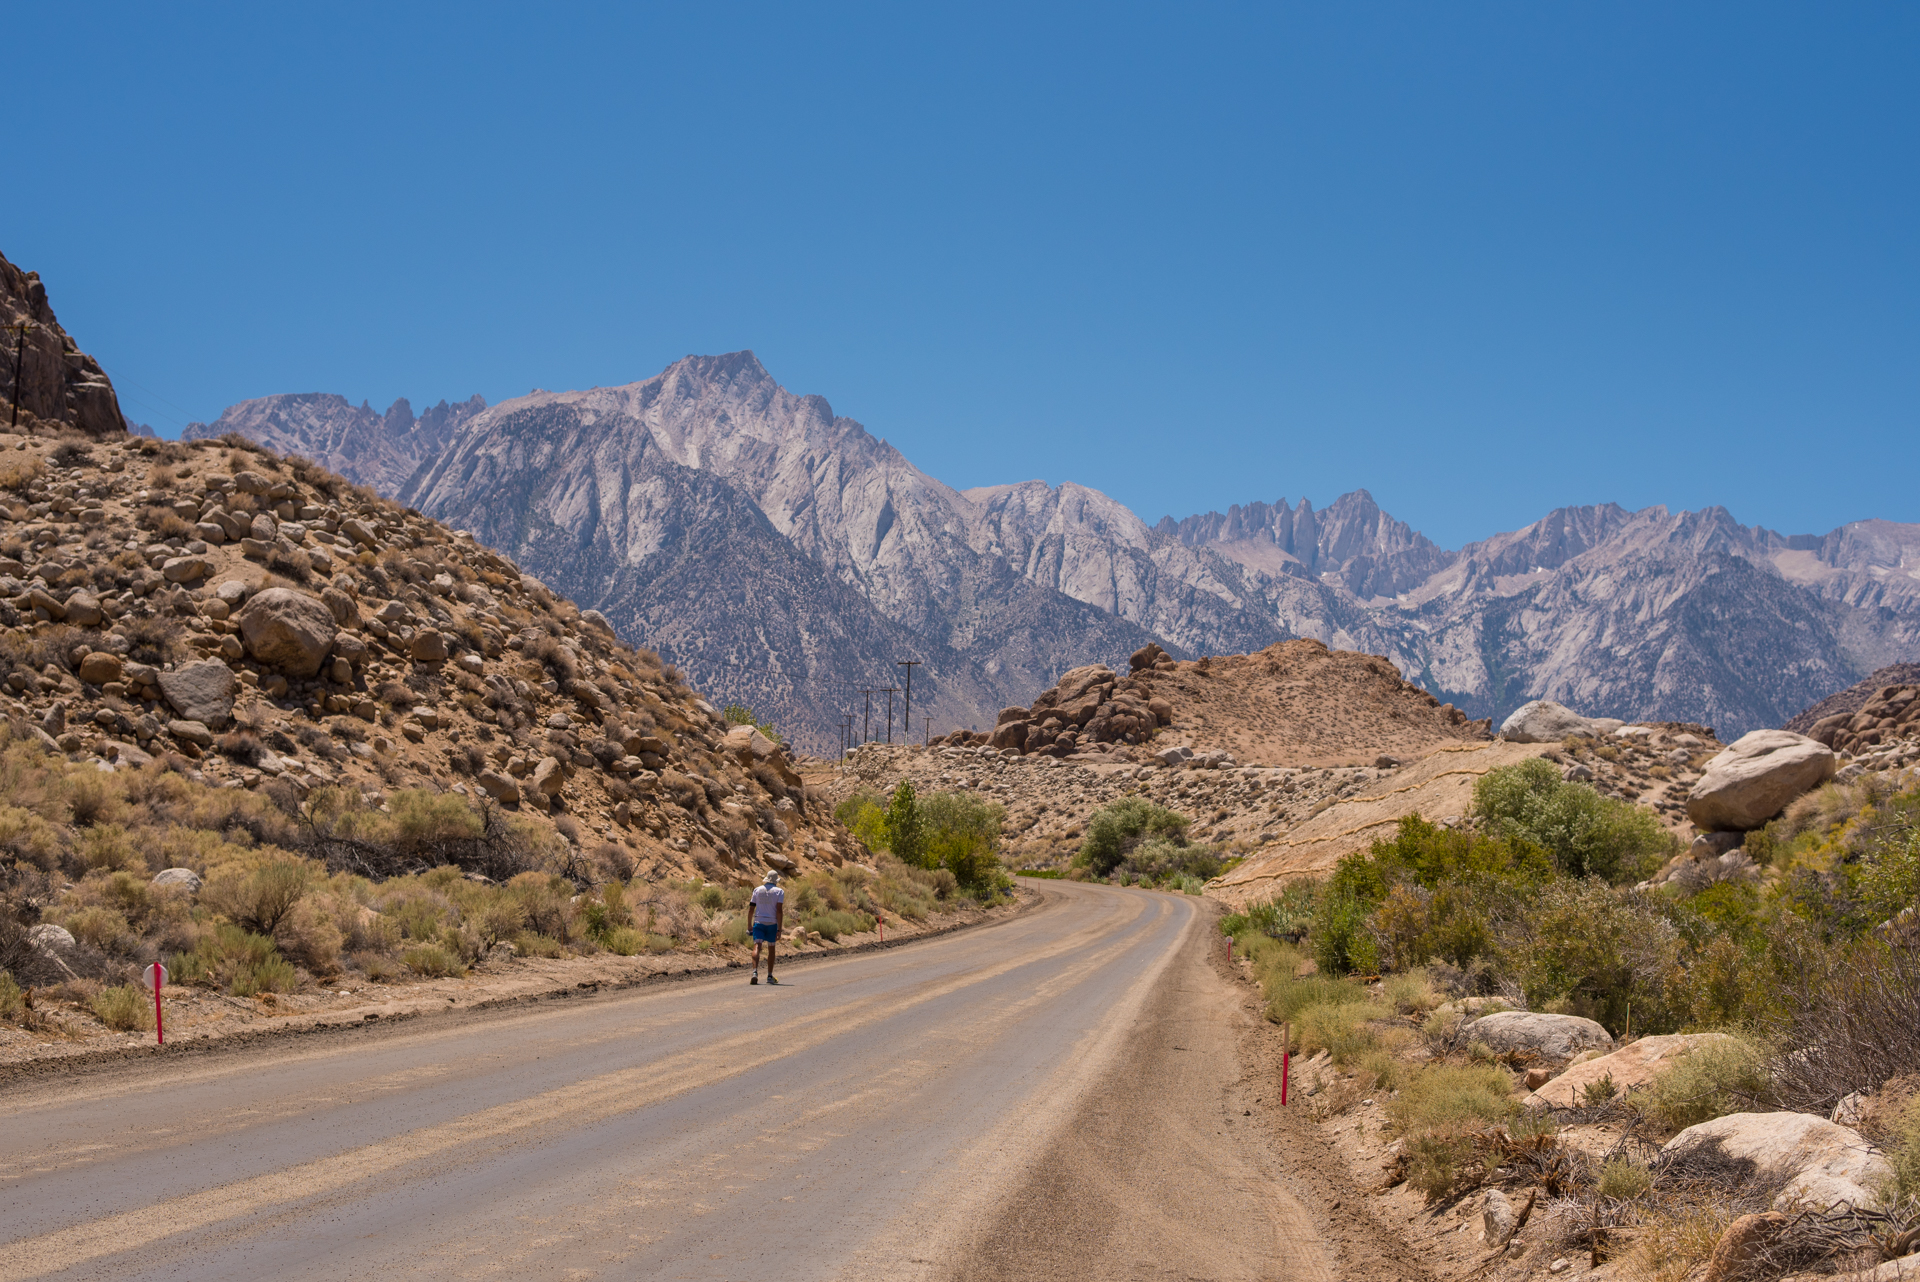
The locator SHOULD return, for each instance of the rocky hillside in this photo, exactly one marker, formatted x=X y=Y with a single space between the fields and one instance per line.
x=378 y=450
x=281 y=630
x=1649 y=615
x=59 y=383
x=1854 y=697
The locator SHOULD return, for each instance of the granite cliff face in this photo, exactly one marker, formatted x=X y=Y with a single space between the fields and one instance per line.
x=381 y=451
x=58 y=382
x=782 y=552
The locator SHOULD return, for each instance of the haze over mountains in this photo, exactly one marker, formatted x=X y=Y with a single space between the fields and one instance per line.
x=786 y=557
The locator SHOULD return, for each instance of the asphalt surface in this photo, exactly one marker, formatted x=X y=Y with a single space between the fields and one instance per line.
x=1057 y=1096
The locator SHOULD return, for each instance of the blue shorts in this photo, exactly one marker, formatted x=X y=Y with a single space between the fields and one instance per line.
x=766 y=932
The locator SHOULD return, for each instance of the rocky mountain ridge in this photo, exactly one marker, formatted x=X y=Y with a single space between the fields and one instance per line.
x=57 y=382
x=618 y=495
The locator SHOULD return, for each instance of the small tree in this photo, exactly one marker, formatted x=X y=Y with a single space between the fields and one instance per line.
x=906 y=829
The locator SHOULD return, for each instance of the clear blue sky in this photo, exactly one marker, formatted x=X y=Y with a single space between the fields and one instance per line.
x=1482 y=260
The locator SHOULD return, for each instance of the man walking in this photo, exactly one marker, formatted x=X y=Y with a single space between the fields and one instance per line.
x=769 y=915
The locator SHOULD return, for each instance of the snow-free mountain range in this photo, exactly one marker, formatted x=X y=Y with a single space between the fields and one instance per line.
x=786 y=557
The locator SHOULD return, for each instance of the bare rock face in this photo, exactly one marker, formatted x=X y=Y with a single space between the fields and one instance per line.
x=201 y=691
x=287 y=630
x=1544 y=722
x=1755 y=778
x=1823 y=1163
x=58 y=382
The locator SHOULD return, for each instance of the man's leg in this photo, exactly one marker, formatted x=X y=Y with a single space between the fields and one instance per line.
x=770 y=951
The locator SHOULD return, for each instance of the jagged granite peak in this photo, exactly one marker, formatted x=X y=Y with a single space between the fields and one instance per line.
x=58 y=382
x=1649 y=614
x=593 y=489
x=380 y=450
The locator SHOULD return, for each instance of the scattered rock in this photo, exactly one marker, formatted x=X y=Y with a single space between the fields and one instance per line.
x=1544 y=722
x=100 y=667
x=49 y=938
x=193 y=732
x=429 y=646
x=1634 y=1065
x=1755 y=777
x=201 y=691
x=185 y=569
x=1738 y=1255
x=1551 y=1037
x=550 y=776
x=1823 y=1163
x=287 y=630
x=500 y=787
x=1497 y=1219
x=185 y=877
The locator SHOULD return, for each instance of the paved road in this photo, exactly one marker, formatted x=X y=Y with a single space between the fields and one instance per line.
x=1052 y=1097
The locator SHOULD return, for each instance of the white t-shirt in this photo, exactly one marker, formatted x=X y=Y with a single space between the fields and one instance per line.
x=766 y=902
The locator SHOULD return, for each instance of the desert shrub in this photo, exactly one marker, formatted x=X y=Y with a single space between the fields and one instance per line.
x=1114 y=830
x=603 y=914
x=17 y=475
x=29 y=838
x=1903 y=1154
x=92 y=798
x=1160 y=860
x=109 y=847
x=260 y=898
x=735 y=929
x=1712 y=1080
x=124 y=1009
x=533 y=944
x=1587 y=834
x=1341 y=941
x=274 y=974
x=1452 y=1098
x=1411 y=994
x=433 y=961
x=1339 y=1029
x=1623 y=1178
x=1583 y=944
x=13 y=1002
x=102 y=928
x=1851 y=1018
x=833 y=924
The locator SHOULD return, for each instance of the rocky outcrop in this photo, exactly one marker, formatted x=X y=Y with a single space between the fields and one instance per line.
x=1822 y=1164
x=59 y=383
x=1545 y=722
x=1891 y=712
x=1755 y=778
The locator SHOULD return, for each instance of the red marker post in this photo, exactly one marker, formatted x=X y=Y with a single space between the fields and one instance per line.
x=156 y=975
x=1286 y=1057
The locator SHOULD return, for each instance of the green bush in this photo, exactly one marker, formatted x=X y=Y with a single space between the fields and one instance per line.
x=962 y=837
x=13 y=1003
x=1451 y=1098
x=124 y=1009
x=739 y=714
x=1623 y=1178
x=273 y=975
x=1587 y=834
x=1904 y=1154
x=1709 y=1081
x=906 y=832
x=1115 y=830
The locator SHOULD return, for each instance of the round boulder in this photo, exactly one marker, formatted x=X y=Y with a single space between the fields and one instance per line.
x=1551 y=1037
x=288 y=630
x=1545 y=722
x=185 y=878
x=1755 y=778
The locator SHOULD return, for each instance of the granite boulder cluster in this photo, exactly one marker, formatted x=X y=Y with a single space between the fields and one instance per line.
x=1091 y=708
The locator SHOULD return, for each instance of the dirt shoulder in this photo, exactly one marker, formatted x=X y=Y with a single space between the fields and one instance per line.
x=201 y=1019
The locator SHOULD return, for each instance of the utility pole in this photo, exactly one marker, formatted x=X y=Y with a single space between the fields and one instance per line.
x=888 y=691
x=866 y=717
x=19 y=352
x=906 y=715
x=926 y=732
x=846 y=733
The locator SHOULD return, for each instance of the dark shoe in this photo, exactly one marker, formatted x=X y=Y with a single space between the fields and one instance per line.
x=756 y=978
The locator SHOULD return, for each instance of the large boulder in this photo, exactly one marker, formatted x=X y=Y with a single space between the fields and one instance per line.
x=201 y=691
x=1544 y=722
x=1550 y=1037
x=288 y=630
x=1633 y=1065
x=1010 y=734
x=749 y=745
x=1755 y=778
x=1822 y=1163
x=1075 y=682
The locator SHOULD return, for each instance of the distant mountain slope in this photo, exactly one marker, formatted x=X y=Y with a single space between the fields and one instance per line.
x=381 y=451
x=805 y=516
